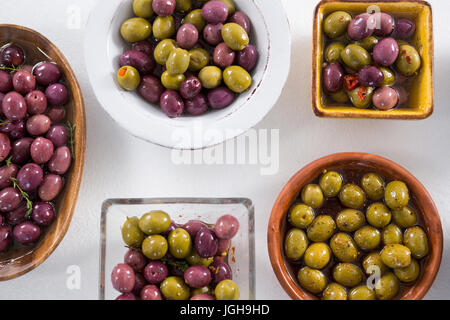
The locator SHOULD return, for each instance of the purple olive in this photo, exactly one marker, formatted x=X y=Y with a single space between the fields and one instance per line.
x=18 y=215
x=43 y=213
x=164 y=7
x=30 y=177
x=14 y=106
x=151 y=89
x=155 y=272
x=38 y=124
x=144 y=47
x=202 y=297
x=12 y=56
x=385 y=98
x=370 y=76
x=57 y=94
x=41 y=150
x=6 y=173
x=58 y=135
x=123 y=278
x=5 y=82
x=50 y=187
x=333 y=78
x=139 y=284
x=193 y=226
x=5 y=146
x=135 y=259
x=26 y=232
x=384 y=24
x=241 y=19
x=197 y=276
x=386 y=52
x=151 y=292
x=224 y=246
x=404 y=29
x=248 y=58
x=206 y=243
x=16 y=129
x=5 y=238
x=36 y=102
x=24 y=82
x=362 y=26
x=56 y=114
x=20 y=150
x=142 y=62
x=190 y=87
x=403 y=95
x=212 y=34
x=60 y=161
x=10 y=199
x=197 y=106
x=126 y=296
x=221 y=271
x=47 y=73
x=187 y=36
x=173 y=225
x=223 y=56
x=226 y=227
x=215 y=12
x=171 y=103
x=220 y=98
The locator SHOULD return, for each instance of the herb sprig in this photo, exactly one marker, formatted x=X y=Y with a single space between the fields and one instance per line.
x=25 y=196
x=180 y=265
x=11 y=69
x=71 y=136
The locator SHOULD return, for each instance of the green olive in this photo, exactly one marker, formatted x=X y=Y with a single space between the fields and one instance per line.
x=333 y=52
x=405 y=217
x=344 y=248
x=361 y=97
x=361 y=293
x=136 y=29
x=392 y=234
x=317 y=255
x=387 y=287
x=295 y=244
x=373 y=263
x=174 y=288
x=131 y=234
x=336 y=24
x=321 y=229
x=178 y=61
x=352 y=196
x=378 y=215
x=184 y=5
x=128 y=78
x=347 y=274
x=154 y=247
x=367 y=238
x=163 y=27
x=210 y=77
x=202 y=290
x=180 y=243
x=143 y=8
x=235 y=36
x=195 y=260
x=154 y=222
x=227 y=290
x=368 y=43
x=237 y=79
x=350 y=220
x=396 y=195
x=389 y=77
x=334 y=291
x=301 y=216
x=195 y=17
x=163 y=50
x=409 y=273
x=312 y=196
x=339 y=96
x=355 y=57
x=231 y=6
x=199 y=58
x=417 y=241
x=408 y=61
x=396 y=256
x=331 y=183
x=172 y=82
x=373 y=185
x=312 y=280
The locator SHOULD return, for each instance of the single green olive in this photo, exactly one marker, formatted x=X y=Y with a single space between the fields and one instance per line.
x=163 y=50
x=408 y=61
x=405 y=217
x=172 y=82
x=372 y=263
x=317 y=255
x=312 y=196
x=396 y=256
x=128 y=78
x=389 y=76
x=334 y=291
x=361 y=97
x=336 y=24
x=136 y=29
x=143 y=8
x=195 y=17
x=195 y=260
x=301 y=216
x=350 y=220
x=180 y=243
x=333 y=52
x=362 y=293
x=378 y=215
x=417 y=241
x=409 y=273
x=199 y=58
x=312 y=280
x=344 y=248
x=202 y=290
x=163 y=27
x=339 y=96
x=352 y=196
x=210 y=77
x=347 y=274
x=387 y=287
x=396 y=195
x=227 y=290
x=131 y=234
x=321 y=229
x=174 y=288
x=367 y=43
x=392 y=234
x=237 y=79
x=184 y=5
x=231 y=6
x=154 y=222
x=295 y=244
x=331 y=183
x=178 y=61
x=154 y=247
x=367 y=238
x=356 y=57
x=373 y=185
x=235 y=36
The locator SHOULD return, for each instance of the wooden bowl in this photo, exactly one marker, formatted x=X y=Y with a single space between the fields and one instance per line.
x=425 y=206
x=421 y=94
x=18 y=261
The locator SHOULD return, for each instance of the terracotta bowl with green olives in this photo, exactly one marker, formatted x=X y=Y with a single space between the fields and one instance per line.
x=355 y=226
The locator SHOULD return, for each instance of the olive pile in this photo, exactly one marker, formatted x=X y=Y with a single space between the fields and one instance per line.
x=331 y=248
x=369 y=60
x=167 y=261
x=187 y=55
x=35 y=146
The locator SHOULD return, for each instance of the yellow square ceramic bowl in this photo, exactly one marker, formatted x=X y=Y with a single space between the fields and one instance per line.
x=421 y=93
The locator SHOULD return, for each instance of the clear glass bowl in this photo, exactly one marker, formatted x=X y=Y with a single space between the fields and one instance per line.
x=181 y=210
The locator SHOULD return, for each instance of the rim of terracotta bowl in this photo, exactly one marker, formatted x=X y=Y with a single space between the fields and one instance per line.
x=426 y=208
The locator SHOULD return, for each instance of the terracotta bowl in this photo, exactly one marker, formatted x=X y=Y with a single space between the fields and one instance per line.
x=426 y=209
x=16 y=262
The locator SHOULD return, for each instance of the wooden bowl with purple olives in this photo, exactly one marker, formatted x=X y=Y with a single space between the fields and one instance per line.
x=42 y=142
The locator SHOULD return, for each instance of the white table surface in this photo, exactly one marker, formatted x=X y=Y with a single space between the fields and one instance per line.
x=119 y=165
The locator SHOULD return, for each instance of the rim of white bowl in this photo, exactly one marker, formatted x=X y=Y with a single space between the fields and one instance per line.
x=263 y=97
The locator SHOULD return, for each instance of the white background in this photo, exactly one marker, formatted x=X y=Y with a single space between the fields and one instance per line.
x=119 y=165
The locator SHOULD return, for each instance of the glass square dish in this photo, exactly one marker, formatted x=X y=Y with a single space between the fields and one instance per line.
x=181 y=210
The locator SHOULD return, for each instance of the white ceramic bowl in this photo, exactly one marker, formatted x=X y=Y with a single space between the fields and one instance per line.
x=104 y=45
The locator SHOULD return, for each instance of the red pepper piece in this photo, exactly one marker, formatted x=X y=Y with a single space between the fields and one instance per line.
x=351 y=82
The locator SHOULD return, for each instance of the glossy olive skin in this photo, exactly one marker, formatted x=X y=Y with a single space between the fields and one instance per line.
x=343 y=247
x=172 y=82
x=235 y=36
x=128 y=78
x=396 y=195
x=409 y=273
x=336 y=24
x=389 y=77
x=183 y=5
x=347 y=274
x=163 y=27
x=352 y=196
x=231 y=6
x=387 y=287
x=194 y=259
x=301 y=216
x=361 y=97
x=334 y=291
x=392 y=234
x=227 y=290
x=408 y=61
x=210 y=77
x=318 y=255
x=405 y=217
x=312 y=196
x=331 y=184
x=361 y=293
x=355 y=57
x=132 y=235
x=163 y=50
x=174 y=288
x=312 y=280
x=180 y=243
x=178 y=61
x=367 y=238
x=378 y=215
x=199 y=58
x=195 y=18
x=396 y=256
x=333 y=52
x=339 y=96
x=417 y=241
x=367 y=43
x=136 y=29
x=373 y=185
x=372 y=263
x=350 y=220
x=237 y=79
x=154 y=222
x=295 y=244
x=143 y=8
x=155 y=247
x=321 y=229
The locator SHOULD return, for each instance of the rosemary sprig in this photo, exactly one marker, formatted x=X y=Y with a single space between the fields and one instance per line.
x=4 y=122
x=180 y=265
x=8 y=161
x=25 y=196
x=71 y=135
x=11 y=69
